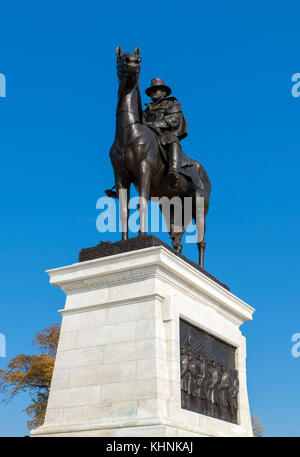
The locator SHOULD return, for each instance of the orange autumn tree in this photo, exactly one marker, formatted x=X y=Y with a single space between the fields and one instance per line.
x=257 y=427
x=32 y=374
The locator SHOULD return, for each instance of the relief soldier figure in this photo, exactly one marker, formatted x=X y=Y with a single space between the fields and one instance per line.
x=202 y=385
x=184 y=374
x=189 y=379
x=223 y=389
x=194 y=371
x=233 y=394
x=213 y=387
x=164 y=116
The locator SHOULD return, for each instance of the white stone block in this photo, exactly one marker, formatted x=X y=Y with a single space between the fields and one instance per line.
x=67 y=340
x=131 y=312
x=87 y=395
x=131 y=350
x=150 y=328
x=102 y=374
x=61 y=380
x=106 y=334
x=151 y=407
x=130 y=390
x=54 y=416
x=80 y=357
x=149 y=368
x=99 y=413
x=89 y=319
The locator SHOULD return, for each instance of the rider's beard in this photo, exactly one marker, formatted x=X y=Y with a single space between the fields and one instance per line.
x=158 y=96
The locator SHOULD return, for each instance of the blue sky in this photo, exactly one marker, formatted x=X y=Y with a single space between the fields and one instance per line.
x=230 y=64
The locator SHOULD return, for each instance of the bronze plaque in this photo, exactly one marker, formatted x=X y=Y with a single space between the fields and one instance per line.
x=209 y=380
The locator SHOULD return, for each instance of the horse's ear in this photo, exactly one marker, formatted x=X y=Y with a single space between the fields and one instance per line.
x=137 y=51
x=118 y=51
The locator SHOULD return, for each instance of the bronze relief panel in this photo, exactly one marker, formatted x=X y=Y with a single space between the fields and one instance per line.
x=209 y=380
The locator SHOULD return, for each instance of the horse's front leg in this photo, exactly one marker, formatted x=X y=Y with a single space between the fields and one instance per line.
x=124 y=196
x=144 y=191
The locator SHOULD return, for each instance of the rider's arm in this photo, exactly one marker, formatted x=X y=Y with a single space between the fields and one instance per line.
x=173 y=117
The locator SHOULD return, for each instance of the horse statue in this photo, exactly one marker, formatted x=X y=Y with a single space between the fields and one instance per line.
x=137 y=159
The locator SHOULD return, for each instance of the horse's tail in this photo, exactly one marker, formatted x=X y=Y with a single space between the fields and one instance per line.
x=193 y=169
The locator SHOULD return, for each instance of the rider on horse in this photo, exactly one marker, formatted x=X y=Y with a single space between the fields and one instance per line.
x=164 y=116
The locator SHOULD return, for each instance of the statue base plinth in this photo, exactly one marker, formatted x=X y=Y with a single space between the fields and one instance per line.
x=117 y=369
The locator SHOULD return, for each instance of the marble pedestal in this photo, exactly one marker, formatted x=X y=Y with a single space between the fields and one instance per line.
x=117 y=369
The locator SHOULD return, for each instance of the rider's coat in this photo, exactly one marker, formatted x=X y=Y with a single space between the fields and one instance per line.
x=166 y=115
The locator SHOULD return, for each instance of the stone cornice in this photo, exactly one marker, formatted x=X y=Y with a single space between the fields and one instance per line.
x=97 y=282
x=153 y=262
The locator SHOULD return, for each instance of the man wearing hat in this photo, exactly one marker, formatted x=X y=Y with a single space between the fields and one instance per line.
x=164 y=116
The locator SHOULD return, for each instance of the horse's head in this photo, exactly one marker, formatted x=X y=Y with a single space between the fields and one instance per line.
x=128 y=66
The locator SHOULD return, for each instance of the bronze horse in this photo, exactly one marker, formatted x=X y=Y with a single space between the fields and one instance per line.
x=137 y=159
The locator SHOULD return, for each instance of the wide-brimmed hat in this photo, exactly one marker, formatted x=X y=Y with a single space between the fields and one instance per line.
x=158 y=83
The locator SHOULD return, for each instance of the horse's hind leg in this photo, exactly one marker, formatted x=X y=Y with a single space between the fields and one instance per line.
x=174 y=222
x=178 y=228
x=201 y=249
x=202 y=245
x=199 y=217
x=144 y=191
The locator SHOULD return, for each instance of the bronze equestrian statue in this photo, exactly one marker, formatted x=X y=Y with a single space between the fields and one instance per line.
x=147 y=153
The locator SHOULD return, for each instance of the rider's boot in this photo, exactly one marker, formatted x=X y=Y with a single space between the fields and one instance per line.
x=174 y=152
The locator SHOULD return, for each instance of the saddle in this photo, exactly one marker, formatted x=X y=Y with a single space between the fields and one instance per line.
x=188 y=167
